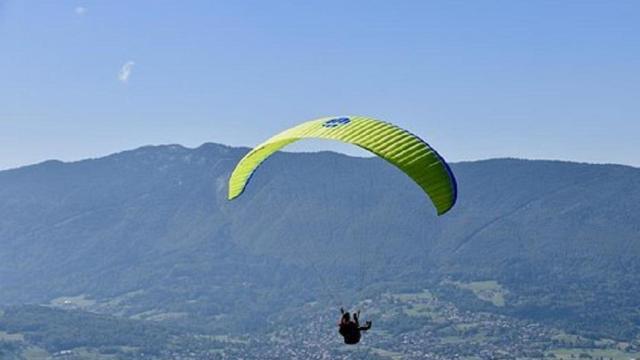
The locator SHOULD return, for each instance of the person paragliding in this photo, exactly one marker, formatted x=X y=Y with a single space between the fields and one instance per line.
x=399 y=147
x=350 y=329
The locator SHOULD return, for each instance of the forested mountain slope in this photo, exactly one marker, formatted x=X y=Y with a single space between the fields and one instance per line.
x=149 y=233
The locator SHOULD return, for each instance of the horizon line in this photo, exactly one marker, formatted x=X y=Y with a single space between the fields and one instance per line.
x=240 y=147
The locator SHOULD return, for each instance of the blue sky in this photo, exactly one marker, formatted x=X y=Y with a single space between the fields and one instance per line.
x=476 y=79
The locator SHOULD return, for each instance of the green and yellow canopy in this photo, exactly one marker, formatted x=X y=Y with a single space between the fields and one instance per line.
x=409 y=153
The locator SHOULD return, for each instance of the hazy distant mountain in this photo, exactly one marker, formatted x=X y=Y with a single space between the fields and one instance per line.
x=149 y=233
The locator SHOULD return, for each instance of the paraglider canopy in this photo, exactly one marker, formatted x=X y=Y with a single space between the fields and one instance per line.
x=409 y=153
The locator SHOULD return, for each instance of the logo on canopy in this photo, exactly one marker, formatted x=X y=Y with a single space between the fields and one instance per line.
x=335 y=122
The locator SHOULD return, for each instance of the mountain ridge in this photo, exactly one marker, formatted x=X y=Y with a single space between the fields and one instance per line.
x=247 y=148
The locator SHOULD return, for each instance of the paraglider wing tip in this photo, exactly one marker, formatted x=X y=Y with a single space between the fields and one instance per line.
x=443 y=210
x=233 y=195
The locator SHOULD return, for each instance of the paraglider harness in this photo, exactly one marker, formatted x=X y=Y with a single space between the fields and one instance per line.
x=351 y=329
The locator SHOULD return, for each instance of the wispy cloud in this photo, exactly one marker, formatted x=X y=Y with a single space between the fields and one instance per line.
x=80 y=10
x=125 y=71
